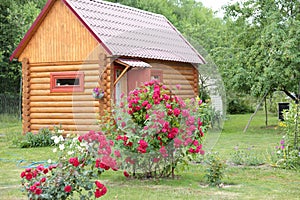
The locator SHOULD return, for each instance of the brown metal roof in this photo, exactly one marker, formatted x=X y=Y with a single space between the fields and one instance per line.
x=133 y=63
x=127 y=31
x=124 y=31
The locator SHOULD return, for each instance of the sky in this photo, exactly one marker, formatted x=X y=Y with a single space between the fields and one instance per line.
x=216 y=5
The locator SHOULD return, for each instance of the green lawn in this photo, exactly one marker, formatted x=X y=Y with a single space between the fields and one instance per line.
x=240 y=182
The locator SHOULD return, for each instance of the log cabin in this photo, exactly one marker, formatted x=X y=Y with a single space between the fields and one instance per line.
x=76 y=45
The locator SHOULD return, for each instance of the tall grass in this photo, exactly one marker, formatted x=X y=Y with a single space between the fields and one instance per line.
x=10 y=104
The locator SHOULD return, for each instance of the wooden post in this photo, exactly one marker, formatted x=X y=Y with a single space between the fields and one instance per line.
x=26 y=95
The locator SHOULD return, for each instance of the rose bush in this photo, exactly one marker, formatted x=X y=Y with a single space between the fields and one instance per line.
x=80 y=162
x=155 y=130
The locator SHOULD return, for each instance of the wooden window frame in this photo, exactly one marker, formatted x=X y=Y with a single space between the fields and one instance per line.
x=158 y=73
x=66 y=88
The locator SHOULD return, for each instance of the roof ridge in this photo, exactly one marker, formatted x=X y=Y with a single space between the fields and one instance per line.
x=123 y=6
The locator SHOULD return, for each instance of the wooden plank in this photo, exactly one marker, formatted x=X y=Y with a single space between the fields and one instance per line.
x=40 y=80
x=86 y=128
x=178 y=77
x=64 y=110
x=178 y=82
x=56 y=97
x=61 y=37
x=65 y=104
x=40 y=74
x=58 y=63
x=47 y=92
x=64 y=115
x=185 y=92
x=65 y=121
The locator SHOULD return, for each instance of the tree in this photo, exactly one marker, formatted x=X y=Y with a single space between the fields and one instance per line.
x=16 y=17
x=263 y=54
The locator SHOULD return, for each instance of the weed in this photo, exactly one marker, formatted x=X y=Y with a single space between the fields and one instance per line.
x=215 y=170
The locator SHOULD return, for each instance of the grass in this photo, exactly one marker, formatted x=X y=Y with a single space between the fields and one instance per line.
x=240 y=182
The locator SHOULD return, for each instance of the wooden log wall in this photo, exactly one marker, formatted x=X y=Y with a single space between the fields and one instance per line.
x=76 y=112
x=182 y=74
x=107 y=85
x=25 y=95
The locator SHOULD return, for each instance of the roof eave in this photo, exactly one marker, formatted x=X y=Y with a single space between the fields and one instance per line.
x=18 y=51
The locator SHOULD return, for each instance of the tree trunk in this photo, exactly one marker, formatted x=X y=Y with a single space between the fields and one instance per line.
x=266 y=111
x=257 y=107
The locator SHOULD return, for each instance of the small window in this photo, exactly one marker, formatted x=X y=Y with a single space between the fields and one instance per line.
x=157 y=75
x=66 y=82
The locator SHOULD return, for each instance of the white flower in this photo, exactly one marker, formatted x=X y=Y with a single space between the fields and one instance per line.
x=61 y=138
x=56 y=139
x=75 y=140
x=83 y=144
x=61 y=147
x=49 y=161
x=80 y=149
x=60 y=131
x=70 y=152
x=54 y=150
x=278 y=152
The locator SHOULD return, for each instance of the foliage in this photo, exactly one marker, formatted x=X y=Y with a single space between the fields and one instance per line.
x=215 y=170
x=246 y=157
x=261 y=54
x=16 y=17
x=238 y=105
x=80 y=162
x=155 y=130
x=276 y=98
x=288 y=152
x=40 y=139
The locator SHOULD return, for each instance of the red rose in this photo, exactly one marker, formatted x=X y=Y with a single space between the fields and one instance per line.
x=68 y=188
x=126 y=174
x=32 y=188
x=29 y=176
x=99 y=185
x=103 y=191
x=74 y=161
x=43 y=180
x=46 y=171
x=100 y=193
x=23 y=174
x=38 y=191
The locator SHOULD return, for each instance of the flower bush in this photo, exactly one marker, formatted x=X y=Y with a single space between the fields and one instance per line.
x=98 y=93
x=288 y=150
x=80 y=162
x=155 y=130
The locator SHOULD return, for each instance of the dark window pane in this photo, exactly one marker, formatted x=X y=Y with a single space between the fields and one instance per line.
x=74 y=81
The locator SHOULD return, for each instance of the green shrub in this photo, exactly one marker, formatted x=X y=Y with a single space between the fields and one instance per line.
x=288 y=152
x=215 y=170
x=238 y=106
x=41 y=139
x=246 y=157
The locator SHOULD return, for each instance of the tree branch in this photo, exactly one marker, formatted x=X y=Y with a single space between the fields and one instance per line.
x=294 y=98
